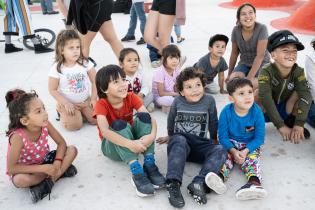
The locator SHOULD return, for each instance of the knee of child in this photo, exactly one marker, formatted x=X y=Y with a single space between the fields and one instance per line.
x=178 y=139
x=119 y=125
x=73 y=126
x=72 y=150
x=21 y=181
x=144 y=117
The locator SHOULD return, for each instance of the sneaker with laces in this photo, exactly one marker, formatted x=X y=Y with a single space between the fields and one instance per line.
x=175 y=196
x=214 y=182
x=41 y=190
x=250 y=191
x=156 y=64
x=70 y=172
x=197 y=191
x=155 y=177
x=128 y=38
x=140 y=41
x=143 y=185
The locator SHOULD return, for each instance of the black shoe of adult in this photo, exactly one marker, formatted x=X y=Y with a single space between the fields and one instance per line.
x=40 y=191
x=140 y=41
x=45 y=12
x=53 y=12
x=128 y=38
x=10 y=48
x=175 y=196
x=307 y=134
x=40 y=48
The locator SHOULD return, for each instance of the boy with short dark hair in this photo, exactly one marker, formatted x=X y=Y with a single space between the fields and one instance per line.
x=193 y=114
x=242 y=132
x=283 y=90
x=213 y=63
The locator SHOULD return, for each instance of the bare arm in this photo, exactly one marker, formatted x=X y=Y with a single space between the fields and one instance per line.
x=221 y=82
x=59 y=140
x=148 y=139
x=233 y=58
x=62 y=7
x=162 y=92
x=261 y=49
x=53 y=84
x=91 y=74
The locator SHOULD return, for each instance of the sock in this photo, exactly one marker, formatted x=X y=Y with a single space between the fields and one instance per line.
x=7 y=39
x=35 y=40
x=149 y=160
x=136 y=168
x=254 y=180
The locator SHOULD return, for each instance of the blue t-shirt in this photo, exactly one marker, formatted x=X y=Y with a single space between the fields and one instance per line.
x=249 y=129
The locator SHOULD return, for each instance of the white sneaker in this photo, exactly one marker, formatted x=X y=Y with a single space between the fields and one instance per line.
x=156 y=64
x=150 y=107
x=182 y=60
x=250 y=192
x=212 y=88
x=214 y=182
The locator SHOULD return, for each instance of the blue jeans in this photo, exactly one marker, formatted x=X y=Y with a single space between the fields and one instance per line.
x=46 y=5
x=177 y=30
x=311 y=116
x=188 y=147
x=153 y=52
x=136 y=10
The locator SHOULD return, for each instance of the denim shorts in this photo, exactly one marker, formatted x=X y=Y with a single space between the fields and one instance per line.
x=244 y=69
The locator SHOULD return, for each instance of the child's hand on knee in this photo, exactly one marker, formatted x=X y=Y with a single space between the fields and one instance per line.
x=137 y=146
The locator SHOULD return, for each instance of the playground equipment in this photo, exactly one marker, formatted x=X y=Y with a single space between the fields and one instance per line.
x=301 y=21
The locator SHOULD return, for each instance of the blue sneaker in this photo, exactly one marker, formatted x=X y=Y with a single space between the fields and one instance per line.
x=143 y=185
x=156 y=178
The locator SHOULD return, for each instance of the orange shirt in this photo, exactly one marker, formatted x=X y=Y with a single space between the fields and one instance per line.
x=103 y=107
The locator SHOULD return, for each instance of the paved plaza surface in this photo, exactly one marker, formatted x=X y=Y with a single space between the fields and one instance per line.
x=288 y=170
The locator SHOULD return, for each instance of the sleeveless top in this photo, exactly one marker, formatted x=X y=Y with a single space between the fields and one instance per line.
x=32 y=152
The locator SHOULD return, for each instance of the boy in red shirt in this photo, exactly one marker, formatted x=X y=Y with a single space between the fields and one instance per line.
x=124 y=138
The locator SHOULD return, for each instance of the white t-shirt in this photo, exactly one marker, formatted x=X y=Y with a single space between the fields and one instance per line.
x=74 y=82
x=310 y=72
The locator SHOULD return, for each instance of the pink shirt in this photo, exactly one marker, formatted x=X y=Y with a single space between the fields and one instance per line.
x=32 y=152
x=161 y=76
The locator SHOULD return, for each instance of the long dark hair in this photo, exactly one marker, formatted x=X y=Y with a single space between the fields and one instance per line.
x=63 y=37
x=239 y=9
x=170 y=51
x=18 y=104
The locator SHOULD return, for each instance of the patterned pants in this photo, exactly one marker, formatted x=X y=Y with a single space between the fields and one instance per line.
x=251 y=165
x=17 y=18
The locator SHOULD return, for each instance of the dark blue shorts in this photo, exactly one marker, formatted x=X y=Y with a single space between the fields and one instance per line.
x=244 y=69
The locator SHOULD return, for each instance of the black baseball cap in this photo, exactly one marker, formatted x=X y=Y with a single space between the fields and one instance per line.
x=282 y=37
x=218 y=37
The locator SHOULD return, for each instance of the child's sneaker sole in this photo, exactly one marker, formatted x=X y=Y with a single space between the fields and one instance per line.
x=252 y=193
x=140 y=194
x=215 y=183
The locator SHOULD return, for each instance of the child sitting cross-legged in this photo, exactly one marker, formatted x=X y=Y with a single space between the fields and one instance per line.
x=123 y=137
x=242 y=132
x=192 y=116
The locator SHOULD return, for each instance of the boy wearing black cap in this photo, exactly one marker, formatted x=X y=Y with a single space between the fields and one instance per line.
x=213 y=63
x=283 y=90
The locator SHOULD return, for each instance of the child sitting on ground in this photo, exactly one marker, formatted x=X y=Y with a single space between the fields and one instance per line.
x=242 y=132
x=164 y=78
x=193 y=114
x=124 y=137
x=71 y=82
x=129 y=61
x=283 y=90
x=213 y=63
x=30 y=163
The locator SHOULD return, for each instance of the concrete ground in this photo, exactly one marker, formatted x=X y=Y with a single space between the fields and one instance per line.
x=288 y=169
